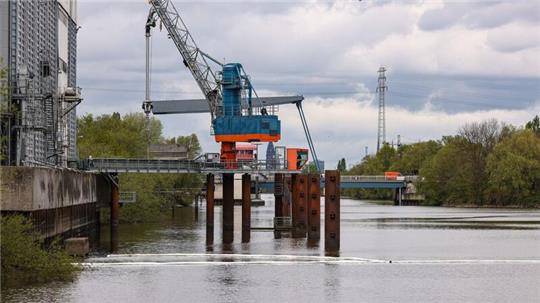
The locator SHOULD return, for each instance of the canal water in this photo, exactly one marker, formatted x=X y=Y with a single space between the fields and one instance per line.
x=388 y=254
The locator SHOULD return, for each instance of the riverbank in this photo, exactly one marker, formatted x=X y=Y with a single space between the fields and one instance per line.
x=24 y=259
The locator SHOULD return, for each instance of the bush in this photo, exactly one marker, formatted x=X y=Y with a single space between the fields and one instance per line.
x=23 y=258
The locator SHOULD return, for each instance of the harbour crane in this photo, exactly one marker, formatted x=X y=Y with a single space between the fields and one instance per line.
x=237 y=113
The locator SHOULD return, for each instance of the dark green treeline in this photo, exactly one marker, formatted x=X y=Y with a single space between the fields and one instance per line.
x=485 y=164
x=116 y=136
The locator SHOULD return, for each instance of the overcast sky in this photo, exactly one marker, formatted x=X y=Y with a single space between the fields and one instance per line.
x=449 y=63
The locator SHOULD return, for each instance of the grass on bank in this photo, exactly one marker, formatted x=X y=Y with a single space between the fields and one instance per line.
x=25 y=261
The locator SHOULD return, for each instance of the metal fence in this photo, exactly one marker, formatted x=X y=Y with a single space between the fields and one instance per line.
x=177 y=166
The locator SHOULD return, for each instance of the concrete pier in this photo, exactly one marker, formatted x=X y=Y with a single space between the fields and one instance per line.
x=332 y=213
x=246 y=208
x=228 y=208
x=210 y=209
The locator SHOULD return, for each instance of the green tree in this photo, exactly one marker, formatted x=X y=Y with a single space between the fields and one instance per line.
x=342 y=165
x=414 y=156
x=387 y=155
x=373 y=165
x=446 y=175
x=479 y=139
x=115 y=136
x=23 y=258
x=534 y=125
x=514 y=170
x=127 y=137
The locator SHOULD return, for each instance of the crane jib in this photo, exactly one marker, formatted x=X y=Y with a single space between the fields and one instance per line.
x=188 y=49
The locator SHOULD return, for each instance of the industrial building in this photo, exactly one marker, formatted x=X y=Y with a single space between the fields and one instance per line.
x=38 y=45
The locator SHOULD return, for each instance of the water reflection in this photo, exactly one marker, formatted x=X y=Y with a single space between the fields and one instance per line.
x=496 y=251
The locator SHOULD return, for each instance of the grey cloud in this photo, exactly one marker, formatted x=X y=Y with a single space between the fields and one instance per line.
x=478 y=15
x=282 y=58
x=511 y=39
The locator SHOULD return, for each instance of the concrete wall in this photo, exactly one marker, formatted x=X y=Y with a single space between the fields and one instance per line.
x=32 y=188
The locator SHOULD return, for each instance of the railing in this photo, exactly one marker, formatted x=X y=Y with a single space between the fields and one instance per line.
x=282 y=223
x=246 y=165
x=128 y=197
x=141 y=165
x=376 y=178
x=347 y=178
x=179 y=166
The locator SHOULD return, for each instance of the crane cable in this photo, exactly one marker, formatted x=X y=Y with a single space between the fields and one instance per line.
x=147 y=121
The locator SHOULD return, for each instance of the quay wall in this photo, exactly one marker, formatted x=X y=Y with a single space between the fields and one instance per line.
x=58 y=201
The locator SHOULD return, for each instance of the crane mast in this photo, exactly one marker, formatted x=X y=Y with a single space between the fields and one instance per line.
x=194 y=58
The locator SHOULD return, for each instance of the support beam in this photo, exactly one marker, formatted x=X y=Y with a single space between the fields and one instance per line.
x=228 y=208
x=115 y=212
x=299 y=206
x=163 y=107
x=210 y=188
x=246 y=208
x=314 y=207
x=332 y=212
x=278 y=201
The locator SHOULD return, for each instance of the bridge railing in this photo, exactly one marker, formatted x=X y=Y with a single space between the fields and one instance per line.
x=183 y=166
x=364 y=178
x=346 y=178
x=246 y=165
x=141 y=165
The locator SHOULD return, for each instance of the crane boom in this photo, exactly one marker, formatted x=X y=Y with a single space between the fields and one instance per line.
x=194 y=59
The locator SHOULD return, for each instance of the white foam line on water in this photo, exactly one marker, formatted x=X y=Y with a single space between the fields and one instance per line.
x=245 y=259
x=243 y=256
x=470 y=261
x=204 y=263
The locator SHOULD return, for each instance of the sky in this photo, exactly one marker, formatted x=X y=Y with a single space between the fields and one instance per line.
x=448 y=63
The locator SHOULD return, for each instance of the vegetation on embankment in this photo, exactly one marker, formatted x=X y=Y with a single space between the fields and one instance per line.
x=115 y=136
x=486 y=164
x=23 y=258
